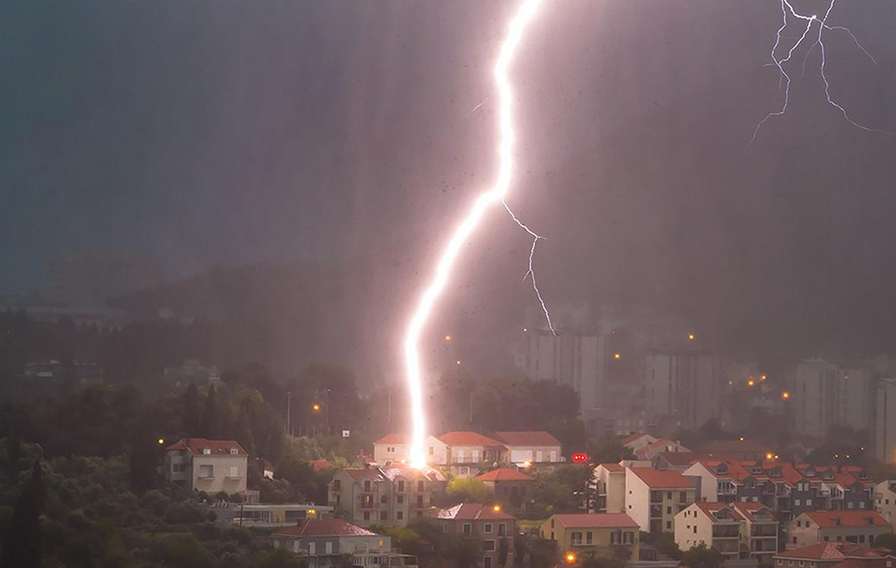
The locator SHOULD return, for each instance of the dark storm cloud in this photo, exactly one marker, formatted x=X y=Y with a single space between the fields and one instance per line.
x=234 y=131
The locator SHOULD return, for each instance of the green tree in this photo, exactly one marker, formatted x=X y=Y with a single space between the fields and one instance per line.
x=282 y=558
x=210 y=421
x=665 y=544
x=462 y=551
x=23 y=548
x=190 y=424
x=246 y=436
x=701 y=557
x=503 y=552
x=467 y=490
x=144 y=457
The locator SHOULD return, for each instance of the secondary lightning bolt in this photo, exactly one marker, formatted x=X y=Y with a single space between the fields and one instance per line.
x=785 y=79
x=466 y=227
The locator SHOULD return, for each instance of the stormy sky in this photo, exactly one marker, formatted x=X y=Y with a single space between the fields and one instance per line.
x=235 y=132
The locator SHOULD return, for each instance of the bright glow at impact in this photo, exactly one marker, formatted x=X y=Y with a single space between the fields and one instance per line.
x=463 y=231
x=786 y=80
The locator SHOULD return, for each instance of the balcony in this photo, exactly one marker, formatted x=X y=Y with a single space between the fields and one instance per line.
x=764 y=531
x=726 y=531
x=726 y=546
x=656 y=511
x=764 y=545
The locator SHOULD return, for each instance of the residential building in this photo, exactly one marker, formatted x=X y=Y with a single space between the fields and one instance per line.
x=835 y=555
x=885 y=500
x=272 y=515
x=684 y=386
x=384 y=495
x=598 y=535
x=759 y=531
x=678 y=461
x=825 y=396
x=715 y=525
x=492 y=526
x=658 y=447
x=857 y=527
x=653 y=497
x=637 y=439
x=395 y=448
x=468 y=451
x=509 y=487
x=212 y=466
x=885 y=421
x=741 y=450
x=325 y=543
x=533 y=448
x=609 y=481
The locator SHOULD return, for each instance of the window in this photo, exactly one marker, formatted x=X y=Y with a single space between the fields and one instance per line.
x=431 y=450
x=589 y=537
x=488 y=545
x=178 y=467
x=400 y=499
x=419 y=486
x=206 y=451
x=384 y=515
x=808 y=502
x=384 y=498
x=420 y=500
x=467 y=529
x=668 y=525
x=487 y=562
x=861 y=504
x=336 y=485
x=628 y=537
x=206 y=471
x=234 y=471
x=552 y=522
x=682 y=496
x=668 y=510
x=802 y=562
x=615 y=537
x=399 y=515
x=850 y=505
x=862 y=538
x=367 y=501
x=234 y=452
x=487 y=528
x=668 y=495
x=328 y=547
x=796 y=502
x=827 y=538
x=401 y=485
x=799 y=523
x=793 y=540
x=366 y=515
x=311 y=549
x=695 y=529
x=575 y=538
x=366 y=485
x=502 y=529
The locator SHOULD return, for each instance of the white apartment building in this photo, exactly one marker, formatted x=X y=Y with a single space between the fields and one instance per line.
x=207 y=465
x=825 y=395
x=653 y=497
x=885 y=421
x=685 y=386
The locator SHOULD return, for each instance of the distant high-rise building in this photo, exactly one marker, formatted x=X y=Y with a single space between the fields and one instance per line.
x=89 y=279
x=685 y=386
x=825 y=396
x=885 y=422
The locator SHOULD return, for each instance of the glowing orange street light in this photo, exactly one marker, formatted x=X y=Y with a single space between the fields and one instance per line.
x=570 y=558
x=617 y=356
x=447 y=338
x=315 y=407
x=457 y=362
x=496 y=508
x=162 y=441
x=690 y=337
x=785 y=395
x=525 y=330
x=751 y=382
x=769 y=456
x=741 y=438
x=762 y=377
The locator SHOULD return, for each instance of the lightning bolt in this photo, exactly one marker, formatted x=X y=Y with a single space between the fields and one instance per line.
x=464 y=230
x=785 y=80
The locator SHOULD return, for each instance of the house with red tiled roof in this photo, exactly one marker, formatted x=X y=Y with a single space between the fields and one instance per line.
x=205 y=465
x=531 y=447
x=510 y=487
x=653 y=449
x=835 y=555
x=857 y=527
x=324 y=542
x=609 y=485
x=468 y=451
x=388 y=496
x=737 y=530
x=395 y=448
x=487 y=523
x=653 y=497
x=598 y=535
x=637 y=439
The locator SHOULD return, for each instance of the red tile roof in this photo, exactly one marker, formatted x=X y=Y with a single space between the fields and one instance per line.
x=826 y=519
x=614 y=467
x=680 y=458
x=504 y=474
x=747 y=510
x=528 y=438
x=661 y=479
x=217 y=447
x=412 y=473
x=359 y=473
x=323 y=527
x=827 y=551
x=468 y=439
x=471 y=512
x=319 y=465
x=633 y=437
x=393 y=438
x=596 y=520
x=711 y=507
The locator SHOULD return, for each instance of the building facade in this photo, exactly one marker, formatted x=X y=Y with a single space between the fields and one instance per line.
x=609 y=535
x=686 y=387
x=205 y=465
x=384 y=495
x=857 y=527
x=654 y=497
x=494 y=528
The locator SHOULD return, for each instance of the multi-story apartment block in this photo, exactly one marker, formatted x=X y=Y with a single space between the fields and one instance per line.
x=324 y=543
x=826 y=396
x=654 y=497
x=885 y=421
x=595 y=535
x=384 y=495
x=468 y=451
x=759 y=531
x=715 y=525
x=493 y=527
x=686 y=387
x=212 y=466
x=835 y=555
x=857 y=527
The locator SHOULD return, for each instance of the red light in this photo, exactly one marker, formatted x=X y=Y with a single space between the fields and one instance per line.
x=580 y=458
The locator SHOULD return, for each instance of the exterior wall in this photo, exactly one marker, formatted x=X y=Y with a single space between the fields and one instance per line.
x=708 y=481
x=885 y=422
x=325 y=550
x=814 y=393
x=610 y=490
x=437 y=452
x=885 y=501
x=535 y=454
x=761 y=537
x=802 y=532
x=224 y=477
x=637 y=500
x=381 y=501
x=692 y=527
x=491 y=532
x=515 y=494
x=590 y=540
x=654 y=509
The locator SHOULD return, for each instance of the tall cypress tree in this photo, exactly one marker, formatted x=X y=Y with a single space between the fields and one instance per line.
x=144 y=457
x=209 y=426
x=13 y=453
x=22 y=548
x=246 y=435
x=190 y=424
